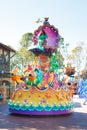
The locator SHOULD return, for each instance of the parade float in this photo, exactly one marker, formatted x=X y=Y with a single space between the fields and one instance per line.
x=38 y=91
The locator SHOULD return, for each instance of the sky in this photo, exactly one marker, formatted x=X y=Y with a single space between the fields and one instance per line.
x=18 y=17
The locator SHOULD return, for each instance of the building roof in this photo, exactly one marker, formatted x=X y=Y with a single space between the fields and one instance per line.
x=7 y=47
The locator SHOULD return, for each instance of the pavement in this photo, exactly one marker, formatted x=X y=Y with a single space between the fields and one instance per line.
x=74 y=121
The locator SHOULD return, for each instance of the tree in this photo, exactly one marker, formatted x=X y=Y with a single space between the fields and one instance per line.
x=60 y=60
x=63 y=49
x=26 y=40
x=22 y=59
x=23 y=55
x=26 y=56
x=84 y=73
x=76 y=56
x=15 y=62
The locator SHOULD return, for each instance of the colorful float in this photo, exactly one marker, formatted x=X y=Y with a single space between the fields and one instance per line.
x=39 y=90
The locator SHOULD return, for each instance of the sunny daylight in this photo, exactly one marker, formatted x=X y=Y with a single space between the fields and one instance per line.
x=43 y=65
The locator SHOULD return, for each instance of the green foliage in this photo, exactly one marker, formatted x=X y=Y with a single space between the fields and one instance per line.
x=21 y=59
x=26 y=55
x=23 y=55
x=60 y=60
x=76 y=55
x=15 y=62
x=76 y=58
x=84 y=73
x=26 y=40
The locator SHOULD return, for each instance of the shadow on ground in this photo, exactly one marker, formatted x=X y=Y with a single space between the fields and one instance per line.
x=77 y=105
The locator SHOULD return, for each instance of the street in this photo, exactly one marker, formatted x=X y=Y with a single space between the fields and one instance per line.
x=74 y=121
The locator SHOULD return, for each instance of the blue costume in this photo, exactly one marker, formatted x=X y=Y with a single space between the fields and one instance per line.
x=83 y=90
